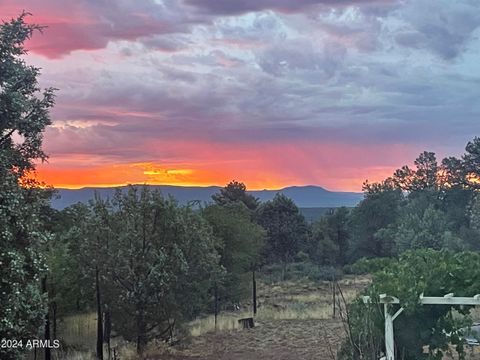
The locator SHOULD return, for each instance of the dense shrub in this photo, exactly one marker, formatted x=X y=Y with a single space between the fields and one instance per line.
x=428 y=272
x=367 y=266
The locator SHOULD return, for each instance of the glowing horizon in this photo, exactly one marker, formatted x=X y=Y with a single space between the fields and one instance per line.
x=135 y=174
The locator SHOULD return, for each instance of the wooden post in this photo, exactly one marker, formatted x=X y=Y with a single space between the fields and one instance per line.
x=99 y=318
x=247 y=323
x=389 y=340
x=254 y=293
x=48 y=354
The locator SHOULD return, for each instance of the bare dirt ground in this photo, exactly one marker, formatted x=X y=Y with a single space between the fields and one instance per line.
x=276 y=339
x=294 y=322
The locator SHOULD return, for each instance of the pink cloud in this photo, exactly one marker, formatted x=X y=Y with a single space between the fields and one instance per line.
x=90 y=25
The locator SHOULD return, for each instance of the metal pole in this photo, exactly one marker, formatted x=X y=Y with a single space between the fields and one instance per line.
x=389 y=340
x=334 y=293
x=254 y=293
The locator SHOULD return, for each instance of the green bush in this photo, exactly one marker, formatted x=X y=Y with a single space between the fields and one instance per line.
x=301 y=257
x=419 y=327
x=367 y=266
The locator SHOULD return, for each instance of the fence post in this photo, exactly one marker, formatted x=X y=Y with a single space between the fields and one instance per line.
x=389 y=340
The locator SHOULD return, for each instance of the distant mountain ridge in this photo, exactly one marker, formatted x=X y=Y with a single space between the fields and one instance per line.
x=304 y=196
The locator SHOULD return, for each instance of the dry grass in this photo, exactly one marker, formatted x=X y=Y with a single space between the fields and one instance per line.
x=294 y=321
x=79 y=335
x=79 y=331
x=226 y=321
x=290 y=305
x=73 y=355
x=288 y=300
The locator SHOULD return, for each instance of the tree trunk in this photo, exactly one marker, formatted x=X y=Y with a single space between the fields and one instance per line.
x=141 y=323
x=48 y=354
x=141 y=333
x=54 y=313
x=215 y=309
x=99 y=318
x=107 y=330
x=254 y=293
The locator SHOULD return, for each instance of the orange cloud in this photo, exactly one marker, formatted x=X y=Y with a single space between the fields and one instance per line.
x=271 y=166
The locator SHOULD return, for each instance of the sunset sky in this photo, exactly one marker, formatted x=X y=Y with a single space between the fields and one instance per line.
x=268 y=92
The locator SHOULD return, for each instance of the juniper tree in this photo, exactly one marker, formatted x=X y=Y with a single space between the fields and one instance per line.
x=286 y=229
x=156 y=261
x=240 y=242
x=235 y=192
x=24 y=115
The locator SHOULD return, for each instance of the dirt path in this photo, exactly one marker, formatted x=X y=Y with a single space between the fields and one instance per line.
x=279 y=340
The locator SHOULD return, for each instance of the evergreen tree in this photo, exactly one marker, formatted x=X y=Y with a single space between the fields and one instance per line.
x=240 y=242
x=156 y=261
x=330 y=238
x=286 y=228
x=471 y=163
x=235 y=192
x=23 y=118
x=377 y=212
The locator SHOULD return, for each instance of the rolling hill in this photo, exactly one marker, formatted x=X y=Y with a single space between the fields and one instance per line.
x=304 y=196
